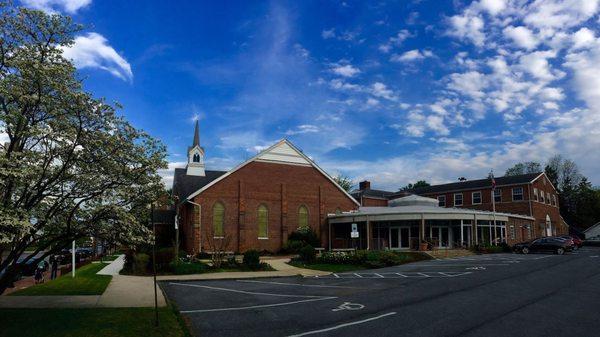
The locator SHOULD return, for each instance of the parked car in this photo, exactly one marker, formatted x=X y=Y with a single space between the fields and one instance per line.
x=548 y=245
x=577 y=242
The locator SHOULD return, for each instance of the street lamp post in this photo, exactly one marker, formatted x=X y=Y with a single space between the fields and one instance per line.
x=154 y=264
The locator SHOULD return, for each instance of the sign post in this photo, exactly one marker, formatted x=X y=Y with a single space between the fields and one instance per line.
x=73 y=259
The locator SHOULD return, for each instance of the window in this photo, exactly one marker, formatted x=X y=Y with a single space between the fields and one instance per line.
x=513 y=232
x=535 y=194
x=218 y=218
x=196 y=158
x=263 y=222
x=517 y=193
x=548 y=198
x=458 y=199
x=553 y=199
x=542 y=200
x=338 y=211
x=497 y=195
x=302 y=216
x=441 y=200
x=529 y=231
x=476 y=198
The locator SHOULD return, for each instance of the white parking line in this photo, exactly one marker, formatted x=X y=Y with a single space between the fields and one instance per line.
x=379 y=275
x=297 y=284
x=243 y=292
x=257 y=306
x=343 y=325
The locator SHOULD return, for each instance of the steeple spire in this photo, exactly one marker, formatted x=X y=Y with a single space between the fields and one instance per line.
x=196 y=135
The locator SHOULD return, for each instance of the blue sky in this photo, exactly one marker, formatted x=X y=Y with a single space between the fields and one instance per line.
x=390 y=91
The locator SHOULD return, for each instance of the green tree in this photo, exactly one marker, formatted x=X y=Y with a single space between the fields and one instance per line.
x=418 y=184
x=344 y=182
x=524 y=168
x=72 y=168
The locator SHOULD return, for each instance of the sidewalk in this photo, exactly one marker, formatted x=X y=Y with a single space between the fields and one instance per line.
x=122 y=291
x=138 y=291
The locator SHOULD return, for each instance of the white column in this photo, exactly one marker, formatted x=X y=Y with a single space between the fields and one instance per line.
x=461 y=234
x=73 y=259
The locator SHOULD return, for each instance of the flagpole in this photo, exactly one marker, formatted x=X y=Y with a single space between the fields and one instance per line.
x=494 y=205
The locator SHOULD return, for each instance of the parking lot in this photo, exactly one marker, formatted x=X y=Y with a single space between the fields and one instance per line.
x=483 y=295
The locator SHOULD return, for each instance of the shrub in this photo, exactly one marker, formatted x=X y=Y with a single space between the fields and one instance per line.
x=140 y=263
x=293 y=246
x=183 y=268
x=252 y=259
x=307 y=254
x=129 y=260
x=164 y=257
x=306 y=235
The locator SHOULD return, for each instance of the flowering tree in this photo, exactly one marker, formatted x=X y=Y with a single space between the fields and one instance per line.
x=72 y=167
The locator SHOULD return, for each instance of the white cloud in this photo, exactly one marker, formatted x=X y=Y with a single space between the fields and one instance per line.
x=468 y=27
x=346 y=70
x=560 y=14
x=328 y=33
x=471 y=83
x=379 y=89
x=302 y=129
x=93 y=51
x=51 y=6
x=493 y=7
x=522 y=37
x=537 y=64
x=583 y=38
x=167 y=174
x=436 y=123
x=411 y=55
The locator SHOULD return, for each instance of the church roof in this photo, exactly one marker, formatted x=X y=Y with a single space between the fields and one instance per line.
x=196 y=135
x=184 y=185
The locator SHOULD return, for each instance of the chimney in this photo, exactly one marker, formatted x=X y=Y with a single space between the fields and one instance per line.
x=364 y=185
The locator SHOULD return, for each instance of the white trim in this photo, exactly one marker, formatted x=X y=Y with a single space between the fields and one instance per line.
x=512 y=192
x=544 y=174
x=265 y=151
x=438 y=199
x=263 y=238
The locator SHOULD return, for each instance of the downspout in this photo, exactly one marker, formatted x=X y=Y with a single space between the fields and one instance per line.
x=199 y=223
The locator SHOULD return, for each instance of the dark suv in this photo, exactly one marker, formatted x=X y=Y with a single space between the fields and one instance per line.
x=546 y=245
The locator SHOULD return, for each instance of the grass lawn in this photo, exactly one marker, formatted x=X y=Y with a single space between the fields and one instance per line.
x=334 y=268
x=86 y=282
x=98 y=322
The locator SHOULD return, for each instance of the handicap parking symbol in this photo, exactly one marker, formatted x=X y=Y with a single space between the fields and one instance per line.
x=349 y=306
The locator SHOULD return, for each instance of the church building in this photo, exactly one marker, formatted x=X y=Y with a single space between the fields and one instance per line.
x=257 y=204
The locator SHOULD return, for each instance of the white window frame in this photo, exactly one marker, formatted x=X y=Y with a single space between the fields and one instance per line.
x=542 y=197
x=535 y=194
x=521 y=194
x=473 y=198
x=440 y=201
x=548 y=198
x=462 y=201
x=513 y=232
x=553 y=199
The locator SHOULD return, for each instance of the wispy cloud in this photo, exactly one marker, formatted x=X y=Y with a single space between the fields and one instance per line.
x=51 y=6
x=93 y=51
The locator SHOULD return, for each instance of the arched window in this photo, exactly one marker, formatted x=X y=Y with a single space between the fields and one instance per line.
x=196 y=158
x=302 y=216
x=218 y=219
x=263 y=221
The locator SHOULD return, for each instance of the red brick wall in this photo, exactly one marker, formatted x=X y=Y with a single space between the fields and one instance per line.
x=528 y=206
x=374 y=202
x=283 y=189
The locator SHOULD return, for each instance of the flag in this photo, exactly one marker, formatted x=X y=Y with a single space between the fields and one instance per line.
x=493 y=182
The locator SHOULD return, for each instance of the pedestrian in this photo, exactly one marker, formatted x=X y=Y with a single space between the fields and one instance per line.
x=53 y=267
x=39 y=273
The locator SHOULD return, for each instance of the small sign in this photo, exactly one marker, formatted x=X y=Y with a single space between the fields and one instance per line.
x=354 y=227
x=354 y=235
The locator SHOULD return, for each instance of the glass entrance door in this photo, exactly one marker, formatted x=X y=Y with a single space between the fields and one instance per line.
x=399 y=237
x=440 y=236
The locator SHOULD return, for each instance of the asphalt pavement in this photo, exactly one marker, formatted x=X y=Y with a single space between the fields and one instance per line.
x=482 y=295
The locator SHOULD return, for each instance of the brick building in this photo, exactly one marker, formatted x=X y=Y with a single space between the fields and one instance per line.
x=257 y=204
x=528 y=194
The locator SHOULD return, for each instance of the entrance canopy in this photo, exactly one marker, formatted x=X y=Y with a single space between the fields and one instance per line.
x=413 y=219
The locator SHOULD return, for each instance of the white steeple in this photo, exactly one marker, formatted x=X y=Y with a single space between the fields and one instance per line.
x=195 y=166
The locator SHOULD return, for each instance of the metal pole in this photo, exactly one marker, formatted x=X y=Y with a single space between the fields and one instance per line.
x=154 y=265
x=73 y=260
